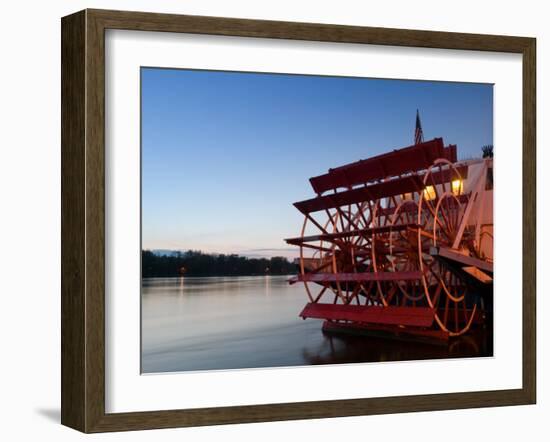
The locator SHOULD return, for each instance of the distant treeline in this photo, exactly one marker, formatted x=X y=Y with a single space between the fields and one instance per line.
x=196 y=263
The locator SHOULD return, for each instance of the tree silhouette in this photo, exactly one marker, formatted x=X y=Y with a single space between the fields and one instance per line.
x=196 y=263
x=487 y=151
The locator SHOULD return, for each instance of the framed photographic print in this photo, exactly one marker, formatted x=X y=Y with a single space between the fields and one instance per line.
x=270 y=220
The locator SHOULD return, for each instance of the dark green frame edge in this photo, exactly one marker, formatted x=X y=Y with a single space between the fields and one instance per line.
x=83 y=218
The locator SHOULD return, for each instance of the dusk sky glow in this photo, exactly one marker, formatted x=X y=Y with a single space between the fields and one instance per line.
x=224 y=155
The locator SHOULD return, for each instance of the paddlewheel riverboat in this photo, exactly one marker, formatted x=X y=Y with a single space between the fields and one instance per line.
x=400 y=242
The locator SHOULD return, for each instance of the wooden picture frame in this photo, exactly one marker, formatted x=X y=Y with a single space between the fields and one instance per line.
x=83 y=220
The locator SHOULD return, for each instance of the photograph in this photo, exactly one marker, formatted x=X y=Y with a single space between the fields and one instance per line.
x=295 y=220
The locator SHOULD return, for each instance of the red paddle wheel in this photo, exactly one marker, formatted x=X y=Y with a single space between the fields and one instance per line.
x=394 y=243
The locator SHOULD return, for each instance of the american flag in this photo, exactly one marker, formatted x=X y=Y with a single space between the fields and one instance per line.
x=418 y=135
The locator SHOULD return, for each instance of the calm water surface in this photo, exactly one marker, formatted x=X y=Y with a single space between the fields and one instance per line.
x=249 y=322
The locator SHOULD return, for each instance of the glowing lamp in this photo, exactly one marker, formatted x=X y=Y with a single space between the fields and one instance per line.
x=457 y=187
x=429 y=192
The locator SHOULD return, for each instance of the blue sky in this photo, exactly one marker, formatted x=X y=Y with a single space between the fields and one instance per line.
x=224 y=155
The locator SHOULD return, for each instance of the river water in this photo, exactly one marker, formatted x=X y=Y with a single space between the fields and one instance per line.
x=250 y=322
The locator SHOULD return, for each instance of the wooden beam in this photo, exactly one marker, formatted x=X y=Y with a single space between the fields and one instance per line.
x=456 y=256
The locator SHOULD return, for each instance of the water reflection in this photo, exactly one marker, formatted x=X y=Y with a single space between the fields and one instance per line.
x=342 y=349
x=247 y=322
